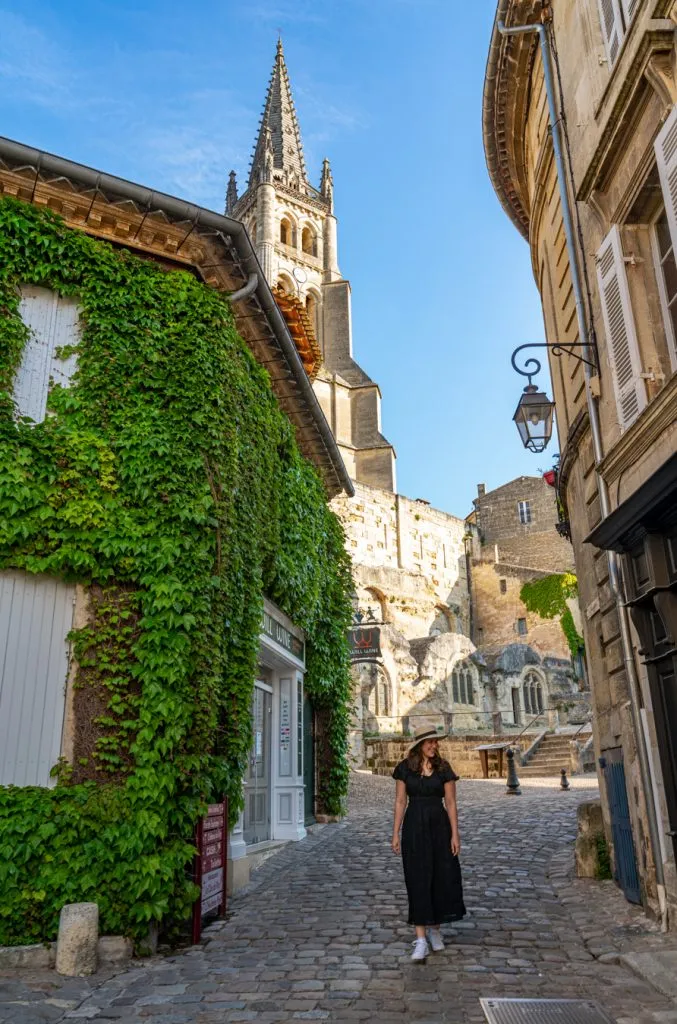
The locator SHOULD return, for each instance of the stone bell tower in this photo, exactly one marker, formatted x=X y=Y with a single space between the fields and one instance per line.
x=294 y=231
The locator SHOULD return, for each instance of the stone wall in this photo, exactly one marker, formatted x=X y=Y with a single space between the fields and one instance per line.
x=383 y=755
x=412 y=555
x=505 y=538
x=499 y=611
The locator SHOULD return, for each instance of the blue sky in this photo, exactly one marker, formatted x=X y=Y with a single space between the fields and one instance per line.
x=169 y=95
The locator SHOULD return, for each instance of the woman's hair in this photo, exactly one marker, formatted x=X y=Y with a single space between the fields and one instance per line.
x=415 y=759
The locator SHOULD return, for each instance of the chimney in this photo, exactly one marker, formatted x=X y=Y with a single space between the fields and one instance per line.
x=481 y=490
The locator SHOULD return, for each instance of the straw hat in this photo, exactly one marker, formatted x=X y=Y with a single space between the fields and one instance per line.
x=427 y=729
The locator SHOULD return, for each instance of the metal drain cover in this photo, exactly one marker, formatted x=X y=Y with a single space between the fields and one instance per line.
x=544 y=1011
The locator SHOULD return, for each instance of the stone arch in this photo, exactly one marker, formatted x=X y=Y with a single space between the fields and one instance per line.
x=285 y=282
x=534 y=692
x=464 y=679
x=309 y=240
x=313 y=301
x=288 y=230
x=375 y=689
x=373 y=604
x=253 y=228
x=444 y=621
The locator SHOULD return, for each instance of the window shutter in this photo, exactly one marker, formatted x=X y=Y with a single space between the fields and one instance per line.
x=629 y=9
x=612 y=26
x=619 y=325
x=52 y=322
x=666 y=160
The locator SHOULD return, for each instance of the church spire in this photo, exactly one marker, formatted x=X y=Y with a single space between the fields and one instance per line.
x=279 y=131
x=231 y=194
x=327 y=184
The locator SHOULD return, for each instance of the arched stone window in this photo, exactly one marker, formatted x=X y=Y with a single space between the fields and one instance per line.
x=374 y=684
x=287 y=232
x=313 y=310
x=533 y=694
x=463 y=685
x=309 y=241
x=253 y=228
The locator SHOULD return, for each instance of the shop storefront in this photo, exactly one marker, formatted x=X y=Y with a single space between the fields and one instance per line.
x=275 y=803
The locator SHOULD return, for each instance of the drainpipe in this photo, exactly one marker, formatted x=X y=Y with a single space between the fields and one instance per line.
x=590 y=354
x=244 y=292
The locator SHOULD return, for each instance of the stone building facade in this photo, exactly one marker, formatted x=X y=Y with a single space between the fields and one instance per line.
x=602 y=233
x=527 y=657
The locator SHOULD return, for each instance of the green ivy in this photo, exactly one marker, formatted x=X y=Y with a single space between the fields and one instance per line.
x=548 y=596
x=168 y=483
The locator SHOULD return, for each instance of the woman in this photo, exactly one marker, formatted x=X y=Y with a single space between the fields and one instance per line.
x=430 y=841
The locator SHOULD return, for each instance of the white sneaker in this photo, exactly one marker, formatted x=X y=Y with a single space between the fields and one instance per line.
x=435 y=939
x=421 y=950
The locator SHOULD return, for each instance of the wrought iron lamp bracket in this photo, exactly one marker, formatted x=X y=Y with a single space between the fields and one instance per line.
x=558 y=349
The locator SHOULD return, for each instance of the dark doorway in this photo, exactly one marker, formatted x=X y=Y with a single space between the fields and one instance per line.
x=516 y=711
x=308 y=762
x=625 y=863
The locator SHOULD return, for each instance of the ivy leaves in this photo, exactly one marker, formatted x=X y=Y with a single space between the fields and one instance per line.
x=548 y=598
x=166 y=481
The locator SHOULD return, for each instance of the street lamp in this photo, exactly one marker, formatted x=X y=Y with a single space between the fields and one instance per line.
x=533 y=415
x=533 y=418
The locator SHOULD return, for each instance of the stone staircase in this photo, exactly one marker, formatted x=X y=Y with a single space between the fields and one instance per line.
x=551 y=755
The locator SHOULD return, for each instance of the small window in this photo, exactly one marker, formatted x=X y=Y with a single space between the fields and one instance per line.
x=522 y=627
x=524 y=512
x=504 y=586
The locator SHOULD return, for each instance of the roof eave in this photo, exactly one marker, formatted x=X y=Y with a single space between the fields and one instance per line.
x=493 y=128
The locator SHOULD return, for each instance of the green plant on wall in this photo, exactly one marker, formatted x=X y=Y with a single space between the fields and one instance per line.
x=166 y=480
x=548 y=597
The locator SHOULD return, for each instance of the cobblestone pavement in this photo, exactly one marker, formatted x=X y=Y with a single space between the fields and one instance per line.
x=320 y=933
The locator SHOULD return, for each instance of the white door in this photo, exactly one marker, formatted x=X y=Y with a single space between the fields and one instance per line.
x=257 y=782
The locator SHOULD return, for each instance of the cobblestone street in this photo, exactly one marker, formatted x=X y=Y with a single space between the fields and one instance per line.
x=321 y=932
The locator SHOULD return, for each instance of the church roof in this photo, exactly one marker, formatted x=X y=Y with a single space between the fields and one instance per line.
x=279 y=130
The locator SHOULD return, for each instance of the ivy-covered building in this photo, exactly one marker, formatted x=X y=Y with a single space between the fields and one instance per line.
x=174 y=589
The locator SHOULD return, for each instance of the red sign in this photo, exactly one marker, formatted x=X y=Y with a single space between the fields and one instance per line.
x=209 y=871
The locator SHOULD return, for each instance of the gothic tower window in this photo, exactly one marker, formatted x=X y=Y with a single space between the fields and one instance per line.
x=311 y=310
x=309 y=241
x=287 y=232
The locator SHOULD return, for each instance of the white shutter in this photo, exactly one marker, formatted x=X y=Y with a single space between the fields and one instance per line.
x=612 y=26
x=619 y=325
x=52 y=322
x=629 y=10
x=666 y=160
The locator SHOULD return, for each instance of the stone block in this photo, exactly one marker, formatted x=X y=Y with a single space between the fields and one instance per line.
x=590 y=829
x=34 y=957
x=76 y=948
x=115 y=949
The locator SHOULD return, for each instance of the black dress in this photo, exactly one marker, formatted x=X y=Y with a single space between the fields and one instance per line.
x=431 y=871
